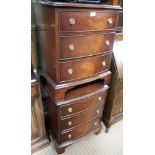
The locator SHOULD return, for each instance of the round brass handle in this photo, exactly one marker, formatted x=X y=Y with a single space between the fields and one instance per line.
x=110 y=21
x=98 y=111
x=106 y=86
x=70 y=71
x=71 y=21
x=107 y=42
x=69 y=123
x=100 y=98
x=71 y=47
x=103 y=63
x=95 y=123
x=70 y=109
x=69 y=136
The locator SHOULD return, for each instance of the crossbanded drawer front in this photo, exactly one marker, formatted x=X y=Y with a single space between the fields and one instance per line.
x=81 y=118
x=82 y=105
x=81 y=130
x=83 y=68
x=79 y=21
x=86 y=45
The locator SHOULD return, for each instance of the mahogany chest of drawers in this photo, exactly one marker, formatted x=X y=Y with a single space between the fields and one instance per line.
x=75 y=46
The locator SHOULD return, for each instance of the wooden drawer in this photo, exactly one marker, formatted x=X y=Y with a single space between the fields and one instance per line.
x=79 y=46
x=81 y=118
x=84 y=104
x=81 y=131
x=78 y=21
x=78 y=69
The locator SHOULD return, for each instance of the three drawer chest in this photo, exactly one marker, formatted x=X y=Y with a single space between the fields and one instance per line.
x=75 y=44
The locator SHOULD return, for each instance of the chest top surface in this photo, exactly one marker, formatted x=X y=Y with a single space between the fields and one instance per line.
x=77 y=5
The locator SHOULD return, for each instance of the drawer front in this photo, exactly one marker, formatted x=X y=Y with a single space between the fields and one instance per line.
x=81 y=117
x=78 y=21
x=84 y=104
x=80 y=46
x=76 y=69
x=81 y=131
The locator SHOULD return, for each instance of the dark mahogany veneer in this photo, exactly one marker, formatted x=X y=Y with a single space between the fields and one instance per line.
x=75 y=49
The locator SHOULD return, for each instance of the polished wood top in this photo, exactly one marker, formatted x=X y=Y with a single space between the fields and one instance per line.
x=78 y=5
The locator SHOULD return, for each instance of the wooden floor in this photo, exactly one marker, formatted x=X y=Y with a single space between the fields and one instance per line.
x=102 y=144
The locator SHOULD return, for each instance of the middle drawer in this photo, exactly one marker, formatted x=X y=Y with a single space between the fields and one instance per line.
x=81 y=118
x=85 y=45
x=83 y=68
x=84 y=104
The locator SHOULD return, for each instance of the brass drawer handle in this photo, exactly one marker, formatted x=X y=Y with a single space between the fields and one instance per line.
x=71 y=47
x=70 y=71
x=97 y=111
x=69 y=123
x=110 y=21
x=95 y=123
x=103 y=63
x=70 y=109
x=100 y=98
x=107 y=42
x=69 y=136
x=72 y=21
x=106 y=86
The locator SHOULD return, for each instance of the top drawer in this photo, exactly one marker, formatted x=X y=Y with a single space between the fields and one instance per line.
x=78 y=21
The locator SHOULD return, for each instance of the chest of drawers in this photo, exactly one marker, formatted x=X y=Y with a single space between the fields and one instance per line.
x=76 y=43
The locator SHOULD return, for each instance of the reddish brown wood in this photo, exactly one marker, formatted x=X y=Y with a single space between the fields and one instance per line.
x=60 y=92
x=82 y=118
x=87 y=20
x=85 y=45
x=83 y=104
x=115 y=2
x=92 y=87
x=53 y=118
x=81 y=131
x=84 y=68
x=119 y=36
x=55 y=112
x=53 y=45
x=60 y=149
x=76 y=78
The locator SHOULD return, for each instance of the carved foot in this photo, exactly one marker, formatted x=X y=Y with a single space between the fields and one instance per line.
x=98 y=131
x=60 y=150
x=49 y=138
x=107 y=130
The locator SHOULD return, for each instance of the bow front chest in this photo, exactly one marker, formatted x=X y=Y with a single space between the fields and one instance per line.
x=75 y=49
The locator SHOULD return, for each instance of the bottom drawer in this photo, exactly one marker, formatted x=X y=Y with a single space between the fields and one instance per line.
x=81 y=131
